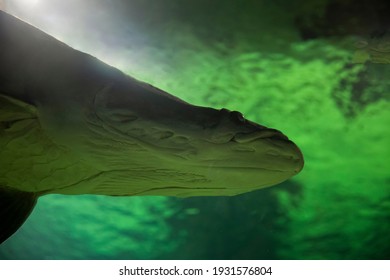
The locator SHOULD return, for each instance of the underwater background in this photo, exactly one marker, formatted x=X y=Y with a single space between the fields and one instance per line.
x=317 y=70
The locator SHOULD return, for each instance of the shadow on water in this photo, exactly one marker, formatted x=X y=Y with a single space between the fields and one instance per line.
x=240 y=227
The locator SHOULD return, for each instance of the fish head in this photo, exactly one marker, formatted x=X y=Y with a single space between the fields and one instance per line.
x=188 y=150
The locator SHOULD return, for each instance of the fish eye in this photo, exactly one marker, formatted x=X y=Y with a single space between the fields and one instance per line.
x=235 y=115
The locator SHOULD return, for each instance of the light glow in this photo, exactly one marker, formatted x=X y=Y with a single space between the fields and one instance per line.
x=28 y=3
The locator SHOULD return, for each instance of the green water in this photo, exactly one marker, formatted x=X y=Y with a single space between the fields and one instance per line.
x=282 y=66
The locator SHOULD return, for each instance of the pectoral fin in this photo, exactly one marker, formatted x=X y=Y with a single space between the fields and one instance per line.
x=15 y=207
x=13 y=109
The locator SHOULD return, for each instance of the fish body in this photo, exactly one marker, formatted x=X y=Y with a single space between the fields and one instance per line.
x=71 y=124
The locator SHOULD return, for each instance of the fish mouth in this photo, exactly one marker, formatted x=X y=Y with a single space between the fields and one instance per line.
x=268 y=133
x=262 y=150
x=287 y=165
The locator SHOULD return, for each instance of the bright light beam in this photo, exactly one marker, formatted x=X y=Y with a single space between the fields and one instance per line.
x=28 y=3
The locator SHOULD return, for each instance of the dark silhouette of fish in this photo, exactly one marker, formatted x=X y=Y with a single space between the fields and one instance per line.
x=375 y=49
x=70 y=124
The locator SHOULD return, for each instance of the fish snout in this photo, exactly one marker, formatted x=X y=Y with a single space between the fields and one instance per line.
x=248 y=145
x=232 y=126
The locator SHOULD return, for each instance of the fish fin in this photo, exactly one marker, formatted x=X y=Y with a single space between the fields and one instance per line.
x=13 y=110
x=15 y=207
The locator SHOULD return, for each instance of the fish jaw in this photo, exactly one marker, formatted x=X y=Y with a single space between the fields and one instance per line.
x=151 y=143
x=145 y=142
